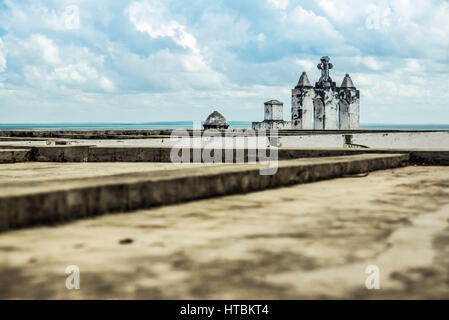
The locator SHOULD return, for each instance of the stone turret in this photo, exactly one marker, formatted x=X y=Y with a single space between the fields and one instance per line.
x=349 y=98
x=274 y=110
x=302 y=104
x=274 y=117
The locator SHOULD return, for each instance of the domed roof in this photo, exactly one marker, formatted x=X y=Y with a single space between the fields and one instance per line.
x=215 y=120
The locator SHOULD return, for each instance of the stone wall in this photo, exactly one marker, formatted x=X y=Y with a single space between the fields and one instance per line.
x=274 y=112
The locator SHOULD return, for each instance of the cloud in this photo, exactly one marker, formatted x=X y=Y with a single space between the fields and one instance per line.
x=164 y=60
x=306 y=65
x=342 y=11
x=152 y=18
x=191 y=67
x=2 y=56
x=313 y=29
x=45 y=47
x=80 y=75
x=27 y=16
x=280 y=4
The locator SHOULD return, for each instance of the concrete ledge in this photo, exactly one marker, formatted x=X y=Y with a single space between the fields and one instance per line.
x=430 y=157
x=14 y=155
x=60 y=154
x=417 y=156
x=162 y=154
x=150 y=154
x=54 y=201
x=133 y=134
x=126 y=154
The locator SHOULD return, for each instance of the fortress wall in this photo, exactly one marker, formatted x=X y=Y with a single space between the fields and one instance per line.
x=354 y=115
x=433 y=140
x=287 y=139
x=332 y=117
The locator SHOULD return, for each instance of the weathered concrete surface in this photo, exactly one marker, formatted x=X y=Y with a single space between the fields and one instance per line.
x=14 y=155
x=376 y=140
x=83 y=134
x=417 y=156
x=24 y=203
x=393 y=139
x=298 y=242
x=38 y=172
x=163 y=154
x=137 y=154
x=60 y=154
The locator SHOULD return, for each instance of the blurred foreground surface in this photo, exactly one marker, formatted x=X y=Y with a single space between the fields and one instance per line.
x=306 y=241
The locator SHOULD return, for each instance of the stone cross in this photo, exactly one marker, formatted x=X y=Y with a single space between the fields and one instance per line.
x=325 y=66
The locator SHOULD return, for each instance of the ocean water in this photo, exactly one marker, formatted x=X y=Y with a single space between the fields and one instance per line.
x=188 y=125
x=114 y=126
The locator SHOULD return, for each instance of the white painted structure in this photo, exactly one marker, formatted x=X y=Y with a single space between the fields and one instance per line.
x=323 y=107
x=248 y=138
x=274 y=110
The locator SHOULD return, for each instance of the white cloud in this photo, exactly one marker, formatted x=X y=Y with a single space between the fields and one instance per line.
x=372 y=63
x=48 y=51
x=333 y=8
x=2 y=56
x=414 y=66
x=280 y=4
x=306 y=65
x=312 y=29
x=152 y=52
x=107 y=84
x=74 y=73
x=51 y=67
x=180 y=71
x=342 y=11
x=152 y=18
x=22 y=15
x=81 y=75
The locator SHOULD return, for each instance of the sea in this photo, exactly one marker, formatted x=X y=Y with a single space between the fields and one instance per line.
x=186 y=125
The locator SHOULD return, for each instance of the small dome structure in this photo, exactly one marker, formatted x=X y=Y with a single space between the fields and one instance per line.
x=215 y=121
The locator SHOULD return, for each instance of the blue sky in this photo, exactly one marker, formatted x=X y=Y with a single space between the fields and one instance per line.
x=167 y=60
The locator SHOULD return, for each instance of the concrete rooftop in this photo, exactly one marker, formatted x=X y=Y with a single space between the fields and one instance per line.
x=140 y=227
x=304 y=241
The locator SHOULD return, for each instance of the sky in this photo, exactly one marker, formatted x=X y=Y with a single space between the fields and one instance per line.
x=175 y=60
